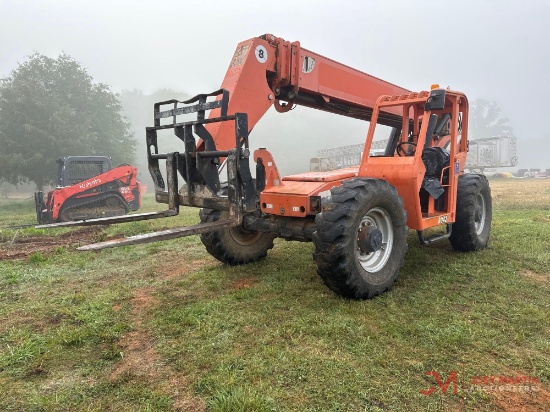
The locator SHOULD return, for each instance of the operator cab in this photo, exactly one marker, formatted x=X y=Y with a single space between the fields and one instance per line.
x=436 y=159
x=75 y=169
x=418 y=159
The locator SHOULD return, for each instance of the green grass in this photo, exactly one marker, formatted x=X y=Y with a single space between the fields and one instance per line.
x=15 y=212
x=164 y=325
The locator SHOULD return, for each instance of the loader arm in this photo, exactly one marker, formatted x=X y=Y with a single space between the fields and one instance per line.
x=268 y=70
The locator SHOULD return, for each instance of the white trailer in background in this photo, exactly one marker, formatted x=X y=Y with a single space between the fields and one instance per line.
x=343 y=156
x=485 y=153
x=492 y=152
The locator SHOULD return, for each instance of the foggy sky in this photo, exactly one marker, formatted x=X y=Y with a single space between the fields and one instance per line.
x=496 y=50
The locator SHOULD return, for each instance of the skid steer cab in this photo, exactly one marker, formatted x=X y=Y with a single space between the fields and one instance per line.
x=88 y=188
x=358 y=217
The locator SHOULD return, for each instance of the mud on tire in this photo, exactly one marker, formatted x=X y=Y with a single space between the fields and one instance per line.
x=235 y=245
x=474 y=211
x=341 y=262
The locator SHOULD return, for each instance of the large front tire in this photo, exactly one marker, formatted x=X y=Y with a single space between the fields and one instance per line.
x=361 y=238
x=474 y=213
x=235 y=245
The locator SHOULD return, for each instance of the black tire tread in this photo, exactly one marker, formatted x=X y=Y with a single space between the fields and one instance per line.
x=464 y=237
x=335 y=237
x=221 y=245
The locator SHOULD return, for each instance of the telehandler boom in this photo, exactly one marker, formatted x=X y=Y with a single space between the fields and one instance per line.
x=358 y=217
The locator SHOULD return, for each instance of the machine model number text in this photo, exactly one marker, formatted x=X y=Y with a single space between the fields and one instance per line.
x=89 y=184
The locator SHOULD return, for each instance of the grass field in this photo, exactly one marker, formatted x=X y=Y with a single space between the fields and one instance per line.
x=164 y=326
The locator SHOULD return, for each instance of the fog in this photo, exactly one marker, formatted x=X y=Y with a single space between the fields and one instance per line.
x=491 y=50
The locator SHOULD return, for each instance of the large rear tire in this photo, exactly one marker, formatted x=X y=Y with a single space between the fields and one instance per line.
x=361 y=238
x=474 y=213
x=235 y=245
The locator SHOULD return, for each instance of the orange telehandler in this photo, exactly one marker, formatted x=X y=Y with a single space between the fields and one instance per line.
x=359 y=217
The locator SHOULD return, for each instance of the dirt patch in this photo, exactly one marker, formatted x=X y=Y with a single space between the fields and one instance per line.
x=141 y=362
x=6 y=255
x=536 y=277
x=21 y=247
x=536 y=401
x=138 y=354
x=245 y=283
x=174 y=268
x=21 y=320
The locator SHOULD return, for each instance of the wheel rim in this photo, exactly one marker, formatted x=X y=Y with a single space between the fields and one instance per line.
x=375 y=261
x=480 y=213
x=244 y=237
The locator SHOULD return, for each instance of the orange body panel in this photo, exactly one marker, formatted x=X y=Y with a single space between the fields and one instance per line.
x=328 y=176
x=272 y=176
x=405 y=174
x=293 y=197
